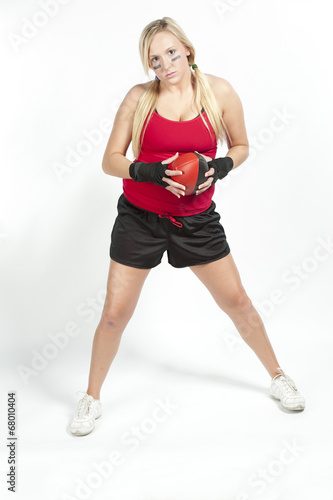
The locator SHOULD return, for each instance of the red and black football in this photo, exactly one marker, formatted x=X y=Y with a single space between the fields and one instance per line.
x=193 y=167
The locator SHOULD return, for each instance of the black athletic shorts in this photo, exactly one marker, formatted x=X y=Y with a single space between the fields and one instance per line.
x=139 y=238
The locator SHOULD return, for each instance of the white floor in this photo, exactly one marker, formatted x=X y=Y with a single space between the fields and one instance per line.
x=187 y=413
x=188 y=419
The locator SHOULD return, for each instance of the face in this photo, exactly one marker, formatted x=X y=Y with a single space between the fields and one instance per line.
x=167 y=57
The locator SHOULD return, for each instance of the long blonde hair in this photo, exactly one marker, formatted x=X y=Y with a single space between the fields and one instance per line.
x=203 y=94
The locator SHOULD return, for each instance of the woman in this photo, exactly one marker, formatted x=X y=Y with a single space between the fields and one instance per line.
x=181 y=110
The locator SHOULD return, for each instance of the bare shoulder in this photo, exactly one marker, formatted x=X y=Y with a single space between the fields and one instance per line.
x=217 y=82
x=222 y=89
x=131 y=99
x=121 y=134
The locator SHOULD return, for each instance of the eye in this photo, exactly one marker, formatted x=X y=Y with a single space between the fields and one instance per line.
x=153 y=59
x=172 y=51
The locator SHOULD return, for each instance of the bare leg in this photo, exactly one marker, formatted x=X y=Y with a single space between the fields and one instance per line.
x=123 y=290
x=223 y=281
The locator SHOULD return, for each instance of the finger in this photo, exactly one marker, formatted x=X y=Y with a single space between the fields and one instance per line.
x=177 y=192
x=173 y=172
x=170 y=160
x=207 y=158
x=206 y=184
x=209 y=172
x=173 y=183
x=200 y=191
x=200 y=154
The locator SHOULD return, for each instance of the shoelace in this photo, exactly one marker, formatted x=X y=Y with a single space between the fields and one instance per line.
x=83 y=406
x=288 y=384
x=173 y=220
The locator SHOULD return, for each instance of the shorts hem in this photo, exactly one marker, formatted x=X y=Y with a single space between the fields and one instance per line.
x=119 y=261
x=201 y=263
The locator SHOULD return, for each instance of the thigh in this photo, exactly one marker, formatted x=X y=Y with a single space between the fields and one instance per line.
x=223 y=281
x=124 y=286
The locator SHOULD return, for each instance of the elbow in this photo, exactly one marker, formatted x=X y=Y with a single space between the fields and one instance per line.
x=106 y=164
x=104 y=167
x=245 y=150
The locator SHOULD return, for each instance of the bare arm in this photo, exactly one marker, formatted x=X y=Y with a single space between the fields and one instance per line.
x=114 y=160
x=233 y=116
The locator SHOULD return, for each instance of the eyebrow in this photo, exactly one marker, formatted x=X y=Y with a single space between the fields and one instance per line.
x=154 y=55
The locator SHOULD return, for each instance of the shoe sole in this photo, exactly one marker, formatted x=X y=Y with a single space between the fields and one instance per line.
x=79 y=433
x=299 y=406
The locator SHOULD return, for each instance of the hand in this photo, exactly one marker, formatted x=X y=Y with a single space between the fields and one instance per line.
x=174 y=187
x=157 y=173
x=208 y=183
x=220 y=167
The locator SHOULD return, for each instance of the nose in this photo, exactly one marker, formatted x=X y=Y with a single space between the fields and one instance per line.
x=166 y=65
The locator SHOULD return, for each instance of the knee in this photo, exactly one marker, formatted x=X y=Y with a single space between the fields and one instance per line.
x=240 y=303
x=115 y=316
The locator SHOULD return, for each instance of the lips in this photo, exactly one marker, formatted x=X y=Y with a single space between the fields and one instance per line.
x=170 y=74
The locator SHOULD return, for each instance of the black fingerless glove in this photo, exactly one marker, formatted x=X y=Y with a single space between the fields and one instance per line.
x=148 y=172
x=222 y=167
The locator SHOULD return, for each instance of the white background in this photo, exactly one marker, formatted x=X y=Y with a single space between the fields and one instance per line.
x=61 y=81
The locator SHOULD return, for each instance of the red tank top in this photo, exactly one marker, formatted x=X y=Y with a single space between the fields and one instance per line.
x=164 y=138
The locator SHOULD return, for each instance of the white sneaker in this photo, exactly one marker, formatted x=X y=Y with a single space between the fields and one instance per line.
x=284 y=389
x=88 y=409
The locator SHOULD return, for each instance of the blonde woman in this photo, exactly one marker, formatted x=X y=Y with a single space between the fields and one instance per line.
x=181 y=110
